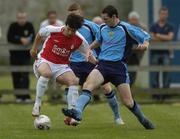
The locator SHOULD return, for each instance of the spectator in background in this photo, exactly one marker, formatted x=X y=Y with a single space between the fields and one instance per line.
x=51 y=20
x=98 y=20
x=21 y=33
x=161 y=31
x=136 y=55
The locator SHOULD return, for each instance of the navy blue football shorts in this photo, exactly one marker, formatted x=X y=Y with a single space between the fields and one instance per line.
x=114 y=72
x=82 y=70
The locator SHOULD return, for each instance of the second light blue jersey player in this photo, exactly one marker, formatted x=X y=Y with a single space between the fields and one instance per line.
x=78 y=64
x=88 y=31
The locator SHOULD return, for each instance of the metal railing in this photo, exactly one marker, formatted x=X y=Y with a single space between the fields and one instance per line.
x=148 y=68
x=153 y=46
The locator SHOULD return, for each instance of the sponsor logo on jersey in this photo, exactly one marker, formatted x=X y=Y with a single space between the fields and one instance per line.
x=60 y=51
x=111 y=34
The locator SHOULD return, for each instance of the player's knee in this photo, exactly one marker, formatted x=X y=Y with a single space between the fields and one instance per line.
x=46 y=74
x=106 y=89
x=88 y=86
x=127 y=102
x=73 y=81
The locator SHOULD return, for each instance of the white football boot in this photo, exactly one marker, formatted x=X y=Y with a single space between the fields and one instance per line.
x=36 y=111
x=119 y=121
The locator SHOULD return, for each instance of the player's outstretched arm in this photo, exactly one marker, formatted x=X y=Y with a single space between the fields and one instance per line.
x=34 y=48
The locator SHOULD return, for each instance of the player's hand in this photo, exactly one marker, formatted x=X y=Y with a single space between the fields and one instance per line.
x=24 y=41
x=89 y=54
x=143 y=46
x=33 y=53
x=93 y=60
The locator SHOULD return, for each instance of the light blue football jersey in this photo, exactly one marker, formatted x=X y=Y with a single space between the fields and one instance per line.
x=115 y=40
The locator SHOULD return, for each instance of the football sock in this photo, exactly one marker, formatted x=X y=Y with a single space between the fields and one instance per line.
x=137 y=111
x=41 y=87
x=112 y=100
x=83 y=100
x=72 y=96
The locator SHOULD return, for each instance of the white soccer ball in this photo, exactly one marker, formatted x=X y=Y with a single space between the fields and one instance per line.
x=42 y=122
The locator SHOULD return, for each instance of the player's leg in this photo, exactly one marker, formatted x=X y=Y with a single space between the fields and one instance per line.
x=94 y=80
x=44 y=71
x=71 y=81
x=113 y=102
x=130 y=103
x=76 y=68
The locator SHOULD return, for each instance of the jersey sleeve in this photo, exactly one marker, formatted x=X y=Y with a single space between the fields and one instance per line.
x=84 y=45
x=45 y=31
x=98 y=36
x=137 y=33
x=95 y=28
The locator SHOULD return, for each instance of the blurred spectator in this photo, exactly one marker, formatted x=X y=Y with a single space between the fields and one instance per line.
x=136 y=55
x=21 y=33
x=98 y=20
x=51 y=20
x=161 y=31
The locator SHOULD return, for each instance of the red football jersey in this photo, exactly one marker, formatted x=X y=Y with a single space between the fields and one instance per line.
x=57 y=48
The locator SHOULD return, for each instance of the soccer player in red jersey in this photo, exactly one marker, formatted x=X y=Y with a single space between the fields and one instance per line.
x=53 y=59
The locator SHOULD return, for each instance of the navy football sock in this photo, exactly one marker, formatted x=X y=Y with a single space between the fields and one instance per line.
x=137 y=112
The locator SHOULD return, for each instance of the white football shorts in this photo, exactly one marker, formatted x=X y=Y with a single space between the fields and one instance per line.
x=56 y=69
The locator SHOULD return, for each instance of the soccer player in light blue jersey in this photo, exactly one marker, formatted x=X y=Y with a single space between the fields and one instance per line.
x=114 y=37
x=82 y=68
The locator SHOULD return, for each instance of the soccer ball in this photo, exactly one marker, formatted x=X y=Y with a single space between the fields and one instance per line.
x=42 y=122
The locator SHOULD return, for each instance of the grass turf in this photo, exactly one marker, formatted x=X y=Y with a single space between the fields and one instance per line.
x=16 y=123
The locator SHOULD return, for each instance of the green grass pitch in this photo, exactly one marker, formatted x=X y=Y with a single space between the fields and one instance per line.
x=16 y=122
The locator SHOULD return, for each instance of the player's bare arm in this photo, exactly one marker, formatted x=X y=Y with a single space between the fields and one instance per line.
x=92 y=46
x=36 y=43
x=86 y=51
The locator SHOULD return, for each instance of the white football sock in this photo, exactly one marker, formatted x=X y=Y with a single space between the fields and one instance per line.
x=41 y=87
x=72 y=96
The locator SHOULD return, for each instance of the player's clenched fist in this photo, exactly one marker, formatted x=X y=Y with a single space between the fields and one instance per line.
x=89 y=54
x=33 y=53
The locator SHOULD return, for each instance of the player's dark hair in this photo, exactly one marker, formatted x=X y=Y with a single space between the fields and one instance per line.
x=163 y=9
x=74 y=21
x=110 y=11
x=51 y=12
